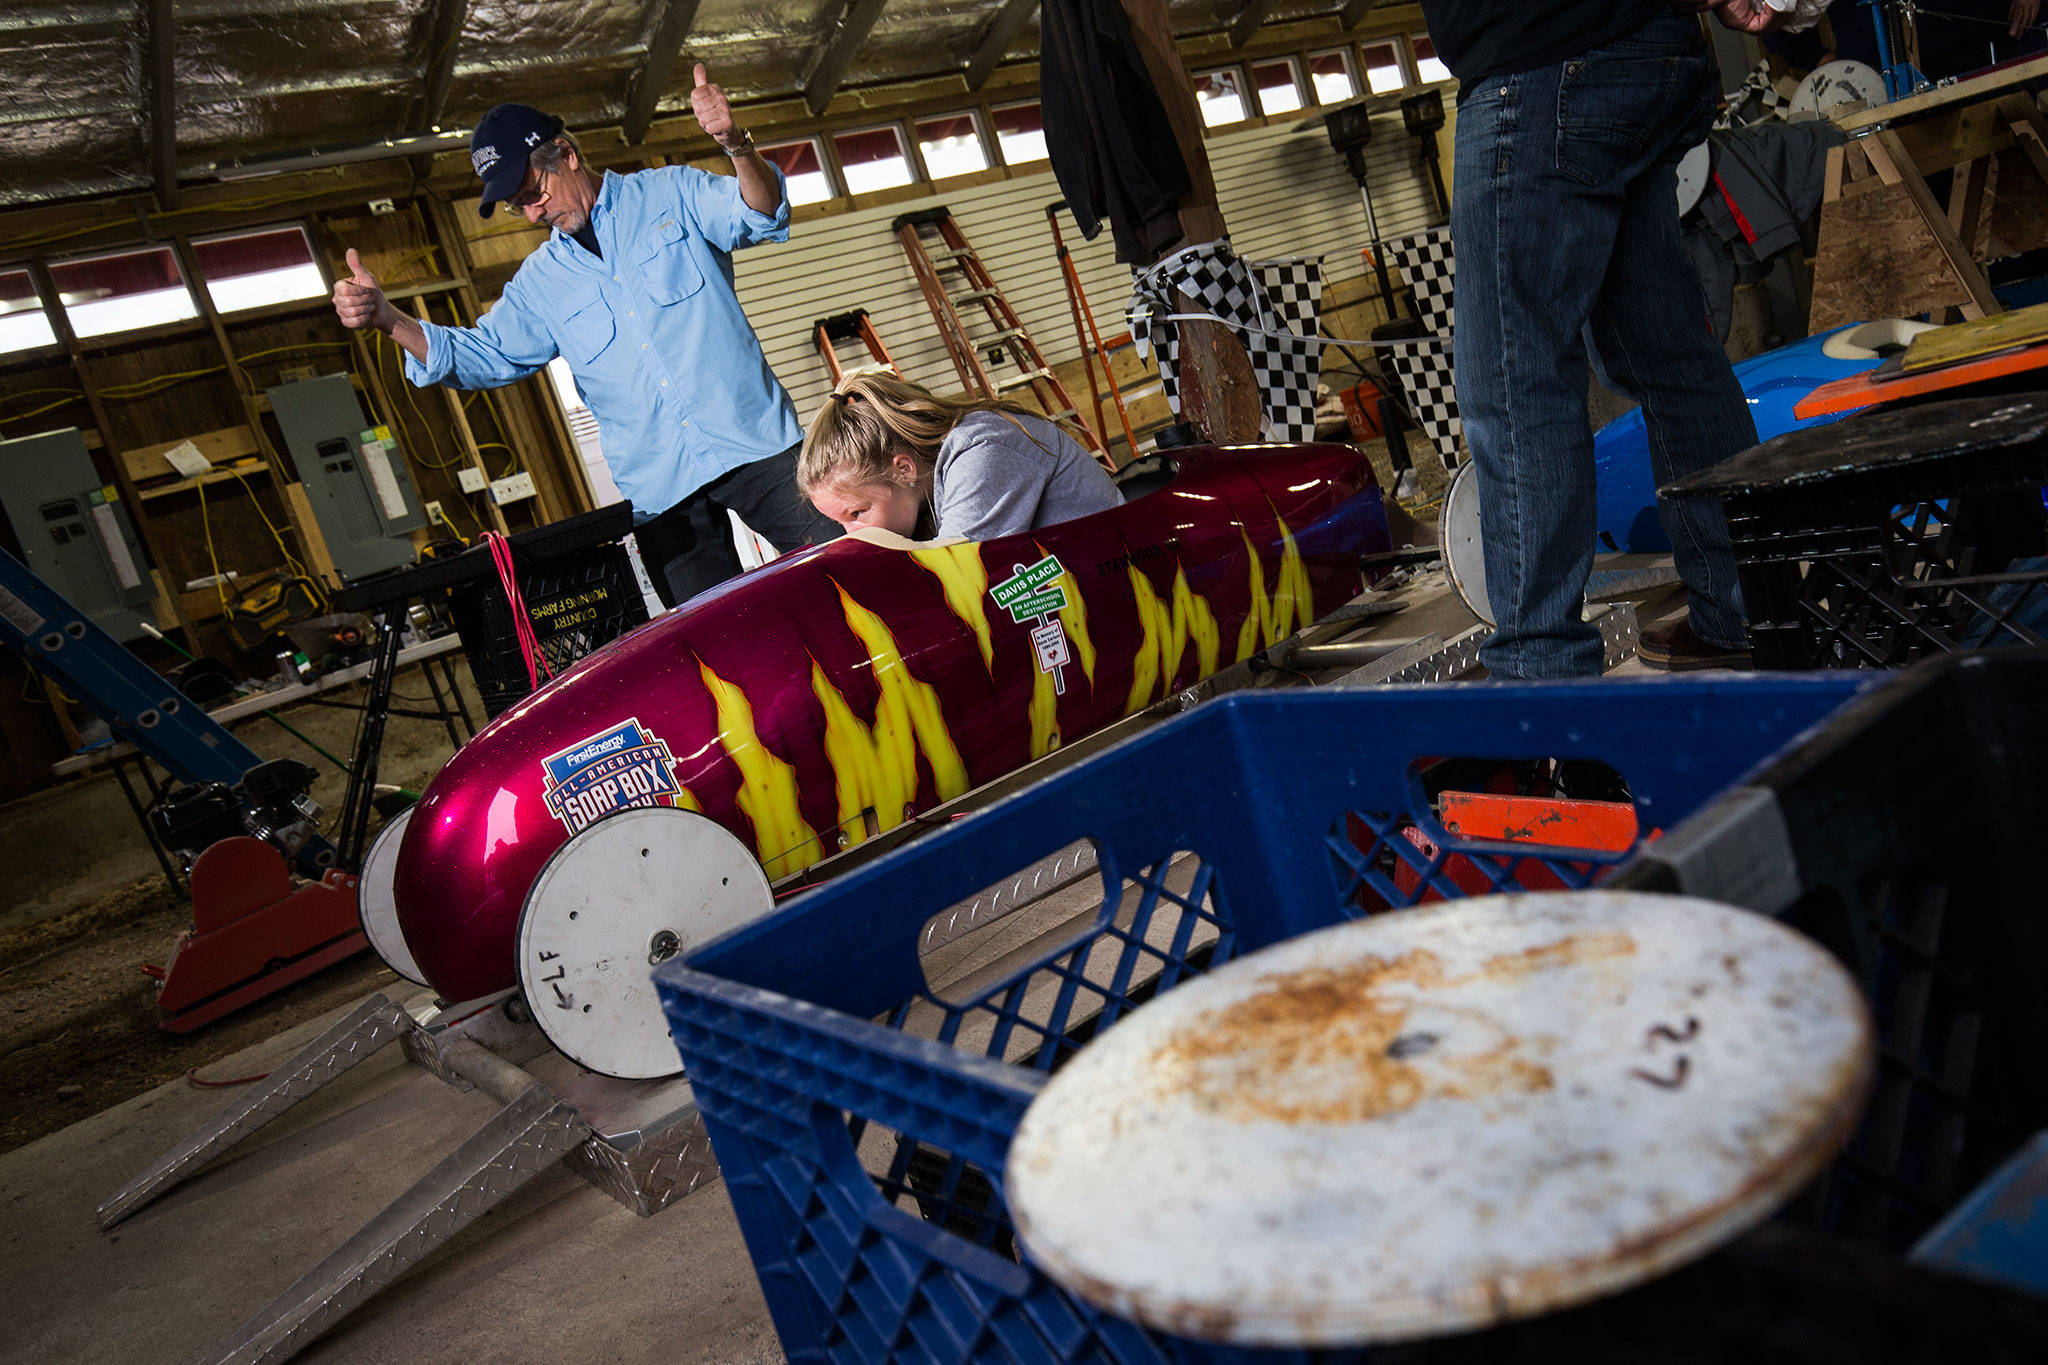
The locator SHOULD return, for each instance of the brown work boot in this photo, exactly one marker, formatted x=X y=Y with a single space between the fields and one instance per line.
x=1674 y=646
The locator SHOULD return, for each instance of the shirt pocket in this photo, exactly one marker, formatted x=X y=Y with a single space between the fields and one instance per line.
x=586 y=332
x=668 y=267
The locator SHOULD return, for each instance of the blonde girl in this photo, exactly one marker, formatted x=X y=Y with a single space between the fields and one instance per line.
x=885 y=453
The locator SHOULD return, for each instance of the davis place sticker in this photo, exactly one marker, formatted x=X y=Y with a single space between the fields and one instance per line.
x=1033 y=592
x=624 y=766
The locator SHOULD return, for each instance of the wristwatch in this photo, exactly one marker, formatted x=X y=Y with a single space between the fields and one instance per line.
x=746 y=145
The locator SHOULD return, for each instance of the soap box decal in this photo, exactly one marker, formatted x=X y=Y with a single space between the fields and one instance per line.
x=609 y=771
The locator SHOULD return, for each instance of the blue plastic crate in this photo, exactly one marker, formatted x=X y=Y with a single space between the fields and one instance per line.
x=861 y=1120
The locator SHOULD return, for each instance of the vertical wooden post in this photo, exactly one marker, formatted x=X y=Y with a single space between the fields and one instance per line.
x=312 y=541
x=1218 y=392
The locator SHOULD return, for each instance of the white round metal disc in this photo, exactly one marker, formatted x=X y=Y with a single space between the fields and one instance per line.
x=1431 y=1121
x=1695 y=168
x=377 y=900
x=615 y=901
x=1458 y=532
x=1834 y=83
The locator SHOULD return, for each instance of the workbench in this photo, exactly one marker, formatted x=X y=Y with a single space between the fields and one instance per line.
x=1889 y=245
x=431 y=655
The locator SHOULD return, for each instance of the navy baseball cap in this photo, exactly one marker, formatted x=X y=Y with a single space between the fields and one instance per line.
x=499 y=147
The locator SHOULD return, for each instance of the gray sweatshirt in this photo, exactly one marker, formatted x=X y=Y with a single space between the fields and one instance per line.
x=992 y=479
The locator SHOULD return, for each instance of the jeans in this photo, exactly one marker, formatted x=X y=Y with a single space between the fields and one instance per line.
x=689 y=548
x=1565 y=221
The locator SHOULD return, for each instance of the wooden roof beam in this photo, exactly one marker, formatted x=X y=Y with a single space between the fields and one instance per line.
x=833 y=63
x=444 y=37
x=995 y=38
x=677 y=17
x=1354 y=12
x=163 y=103
x=1251 y=18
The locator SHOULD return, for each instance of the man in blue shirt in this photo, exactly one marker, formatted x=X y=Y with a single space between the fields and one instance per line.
x=634 y=289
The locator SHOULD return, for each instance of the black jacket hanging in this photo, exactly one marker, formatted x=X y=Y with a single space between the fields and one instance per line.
x=1112 y=149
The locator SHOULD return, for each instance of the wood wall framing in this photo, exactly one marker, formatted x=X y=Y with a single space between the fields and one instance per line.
x=1282 y=190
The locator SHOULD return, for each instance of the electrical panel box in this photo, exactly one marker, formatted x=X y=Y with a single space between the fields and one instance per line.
x=356 y=478
x=75 y=534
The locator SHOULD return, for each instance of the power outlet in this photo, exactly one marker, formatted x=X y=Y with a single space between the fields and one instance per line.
x=511 y=488
x=434 y=514
x=471 y=479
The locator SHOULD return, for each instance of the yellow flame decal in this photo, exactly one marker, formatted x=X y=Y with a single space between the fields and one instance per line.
x=768 y=787
x=1074 y=616
x=1044 y=713
x=1293 y=597
x=1166 y=636
x=875 y=768
x=958 y=569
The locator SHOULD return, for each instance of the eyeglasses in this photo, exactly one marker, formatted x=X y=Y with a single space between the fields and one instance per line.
x=531 y=193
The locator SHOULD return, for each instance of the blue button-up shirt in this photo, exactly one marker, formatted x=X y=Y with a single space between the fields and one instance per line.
x=662 y=353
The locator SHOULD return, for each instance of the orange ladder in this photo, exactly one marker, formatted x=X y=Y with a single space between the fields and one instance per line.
x=852 y=326
x=1088 y=335
x=941 y=255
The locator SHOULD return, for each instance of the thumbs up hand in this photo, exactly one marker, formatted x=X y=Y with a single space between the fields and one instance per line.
x=714 y=115
x=358 y=300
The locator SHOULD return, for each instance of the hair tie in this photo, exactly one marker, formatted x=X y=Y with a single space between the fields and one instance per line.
x=841 y=396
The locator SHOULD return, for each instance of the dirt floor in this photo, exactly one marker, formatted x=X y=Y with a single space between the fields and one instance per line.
x=78 y=1028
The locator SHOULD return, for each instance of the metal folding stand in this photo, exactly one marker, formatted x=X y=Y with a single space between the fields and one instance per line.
x=385 y=599
x=641 y=1142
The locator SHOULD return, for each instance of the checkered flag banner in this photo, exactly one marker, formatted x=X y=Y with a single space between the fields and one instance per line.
x=1426 y=261
x=1272 y=306
x=1756 y=100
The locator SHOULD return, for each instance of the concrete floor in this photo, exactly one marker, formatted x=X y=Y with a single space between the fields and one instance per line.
x=559 y=1269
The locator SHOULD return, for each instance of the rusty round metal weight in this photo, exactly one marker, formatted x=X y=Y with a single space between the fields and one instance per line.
x=1442 y=1118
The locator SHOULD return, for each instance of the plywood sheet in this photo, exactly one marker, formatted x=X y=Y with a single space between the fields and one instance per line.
x=1876 y=258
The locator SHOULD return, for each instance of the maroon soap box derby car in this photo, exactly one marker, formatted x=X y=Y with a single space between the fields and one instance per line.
x=648 y=797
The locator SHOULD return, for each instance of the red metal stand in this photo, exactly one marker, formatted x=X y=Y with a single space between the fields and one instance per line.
x=253 y=933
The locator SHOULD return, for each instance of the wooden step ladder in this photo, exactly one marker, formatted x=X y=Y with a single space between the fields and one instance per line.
x=953 y=278
x=852 y=326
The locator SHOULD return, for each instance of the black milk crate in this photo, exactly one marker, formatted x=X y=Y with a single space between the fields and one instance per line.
x=580 y=590
x=1902 y=835
x=1890 y=536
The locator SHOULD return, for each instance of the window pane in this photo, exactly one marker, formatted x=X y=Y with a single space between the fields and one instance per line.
x=951 y=145
x=872 y=159
x=804 y=168
x=119 y=293
x=1220 y=96
x=1383 y=68
x=1020 y=133
x=250 y=269
x=1330 y=73
x=1427 y=65
x=1279 y=87
x=23 y=323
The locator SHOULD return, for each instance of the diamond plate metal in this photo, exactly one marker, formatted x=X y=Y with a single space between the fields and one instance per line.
x=1432 y=659
x=1618 y=632
x=370 y=1026
x=1453 y=658
x=1040 y=879
x=524 y=1139
x=651 y=1174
